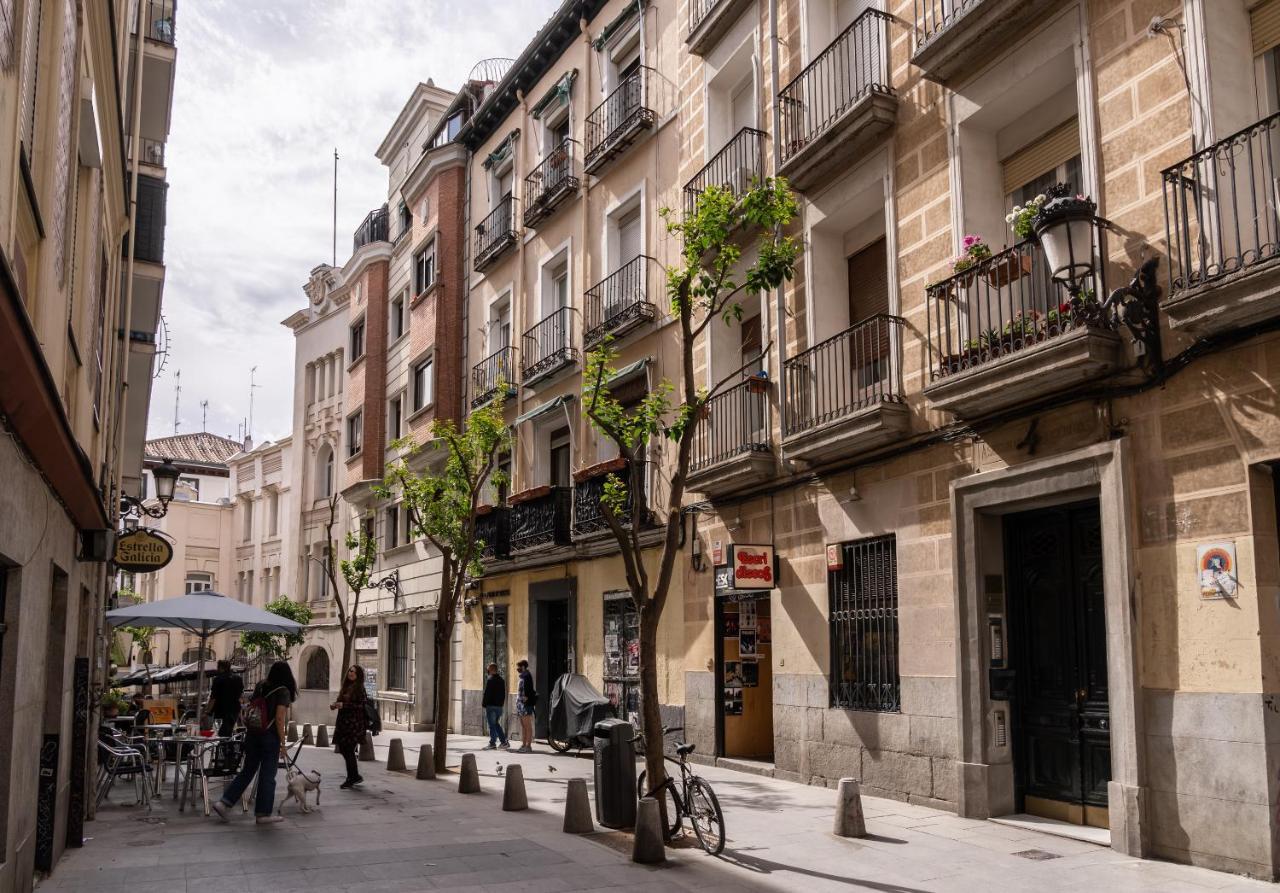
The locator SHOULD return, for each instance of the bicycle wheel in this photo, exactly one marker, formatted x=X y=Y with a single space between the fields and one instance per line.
x=669 y=801
x=557 y=744
x=704 y=813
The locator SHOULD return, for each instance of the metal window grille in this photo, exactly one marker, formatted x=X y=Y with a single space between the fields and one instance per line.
x=864 y=627
x=398 y=657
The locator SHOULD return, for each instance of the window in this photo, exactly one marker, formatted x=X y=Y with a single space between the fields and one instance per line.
x=864 y=627
x=357 y=341
x=406 y=218
x=395 y=418
x=198 y=582
x=355 y=433
x=560 y=475
x=324 y=473
x=495 y=637
x=247 y=518
x=448 y=131
x=424 y=268
x=398 y=657
x=273 y=513
x=423 y=384
x=316 y=675
x=391 y=528
x=397 y=318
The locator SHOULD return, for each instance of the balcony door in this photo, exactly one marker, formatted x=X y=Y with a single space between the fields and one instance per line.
x=869 y=345
x=622 y=290
x=561 y=475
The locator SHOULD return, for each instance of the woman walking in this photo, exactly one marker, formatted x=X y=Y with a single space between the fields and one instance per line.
x=526 y=702
x=264 y=738
x=348 y=733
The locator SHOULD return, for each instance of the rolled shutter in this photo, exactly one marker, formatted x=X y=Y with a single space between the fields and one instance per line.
x=1056 y=147
x=1264 y=26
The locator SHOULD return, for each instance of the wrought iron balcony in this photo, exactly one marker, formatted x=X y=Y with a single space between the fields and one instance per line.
x=374 y=228
x=494 y=530
x=542 y=520
x=839 y=105
x=493 y=372
x=710 y=20
x=588 y=499
x=550 y=183
x=617 y=122
x=731 y=445
x=1223 y=225
x=995 y=329
x=619 y=303
x=845 y=393
x=159 y=20
x=954 y=38
x=735 y=167
x=496 y=233
x=548 y=347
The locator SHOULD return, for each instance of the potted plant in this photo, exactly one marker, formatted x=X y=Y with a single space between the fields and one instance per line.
x=758 y=382
x=609 y=466
x=973 y=252
x=112 y=701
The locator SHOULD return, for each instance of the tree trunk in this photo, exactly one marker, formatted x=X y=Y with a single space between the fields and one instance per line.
x=650 y=715
x=444 y=657
x=348 y=635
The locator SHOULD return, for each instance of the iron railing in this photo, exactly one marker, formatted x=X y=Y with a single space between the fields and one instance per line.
x=160 y=17
x=549 y=344
x=494 y=530
x=860 y=367
x=588 y=500
x=699 y=10
x=1222 y=206
x=550 y=183
x=932 y=17
x=734 y=422
x=735 y=167
x=496 y=233
x=497 y=369
x=618 y=301
x=374 y=228
x=864 y=627
x=1007 y=303
x=149 y=151
x=853 y=66
x=394 y=710
x=613 y=123
x=542 y=521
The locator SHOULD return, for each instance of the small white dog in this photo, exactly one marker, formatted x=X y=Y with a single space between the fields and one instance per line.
x=299 y=782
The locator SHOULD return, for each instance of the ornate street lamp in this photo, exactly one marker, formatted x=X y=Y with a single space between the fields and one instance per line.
x=166 y=477
x=1065 y=227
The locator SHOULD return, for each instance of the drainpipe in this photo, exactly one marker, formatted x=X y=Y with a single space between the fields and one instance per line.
x=583 y=250
x=780 y=298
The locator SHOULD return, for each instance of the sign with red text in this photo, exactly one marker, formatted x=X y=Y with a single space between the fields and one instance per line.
x=754 y=567
x=835 y=557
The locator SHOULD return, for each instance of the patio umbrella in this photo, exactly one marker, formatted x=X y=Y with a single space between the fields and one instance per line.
x=204 y=614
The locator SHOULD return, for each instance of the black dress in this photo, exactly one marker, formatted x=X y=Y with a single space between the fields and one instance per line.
x=348 y=732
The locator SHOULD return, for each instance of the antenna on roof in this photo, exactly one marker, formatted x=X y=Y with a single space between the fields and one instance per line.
x=204 y=415
x=248 y=428
x=177 y=395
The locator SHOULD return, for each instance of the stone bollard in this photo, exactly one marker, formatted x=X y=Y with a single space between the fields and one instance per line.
x=514 y=797
x=395 y=756
x=306 y=734
x=469 y=778
x=366 y=749
x=577 y=809
x=322 y=736
x=849 y=821
x=292 y=731
x=648 y=847
x=426 y=762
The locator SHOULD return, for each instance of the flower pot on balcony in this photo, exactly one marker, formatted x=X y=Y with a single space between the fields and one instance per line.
x=758 y=383
x=1008 y=269
x=530 y=494
x=609 y=466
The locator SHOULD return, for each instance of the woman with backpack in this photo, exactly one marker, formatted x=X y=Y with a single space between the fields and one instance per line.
x=264 y=722
x=349 y=730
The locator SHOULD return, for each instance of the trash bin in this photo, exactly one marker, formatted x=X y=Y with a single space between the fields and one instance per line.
x=615 y=759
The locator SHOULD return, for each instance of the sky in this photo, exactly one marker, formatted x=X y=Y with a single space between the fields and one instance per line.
x=263 y=95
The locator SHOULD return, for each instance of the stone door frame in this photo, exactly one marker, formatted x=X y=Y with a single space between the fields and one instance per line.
x=978 y=501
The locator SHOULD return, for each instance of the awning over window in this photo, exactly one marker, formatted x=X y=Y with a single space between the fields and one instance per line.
x=543 y=409
x=557 y=95
x=628 y=372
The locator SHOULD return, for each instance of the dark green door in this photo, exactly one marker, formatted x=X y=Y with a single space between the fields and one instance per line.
x=1061 y=719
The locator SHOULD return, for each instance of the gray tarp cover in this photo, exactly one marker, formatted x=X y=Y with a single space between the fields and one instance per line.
x=575 y=707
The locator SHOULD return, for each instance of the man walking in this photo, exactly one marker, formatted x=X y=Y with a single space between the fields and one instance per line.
x=224 y=699
x=494 y=702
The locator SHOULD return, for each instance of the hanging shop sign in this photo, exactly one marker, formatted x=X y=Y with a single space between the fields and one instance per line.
x=754 y=567
x=142 y=551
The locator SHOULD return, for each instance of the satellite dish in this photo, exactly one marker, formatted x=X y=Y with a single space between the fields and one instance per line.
x=491 y=70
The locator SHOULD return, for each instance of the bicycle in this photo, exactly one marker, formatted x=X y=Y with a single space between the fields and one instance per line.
x=692 y=799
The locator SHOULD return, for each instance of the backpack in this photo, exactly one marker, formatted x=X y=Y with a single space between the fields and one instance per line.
x=372 y=721
x=257 y=716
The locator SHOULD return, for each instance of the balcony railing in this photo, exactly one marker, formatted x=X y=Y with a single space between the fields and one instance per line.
x=1221 y=206
x=494 y=530
x=735 y=167
x=548 y=346
x=619 y=301
x=487 y=375
x=735 y=421
x=374 y=228
x=542 y=520
x=159 y=20
x=835 y=378
x=699 y=10
x=588 y=499
x=550 y=183
x=1008 y=303
x=853 y=66
x=496 y=233
x=614 y=124
x=934 y=16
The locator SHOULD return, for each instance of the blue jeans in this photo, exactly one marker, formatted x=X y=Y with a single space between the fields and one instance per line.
x=493 y=715
x=260 y=752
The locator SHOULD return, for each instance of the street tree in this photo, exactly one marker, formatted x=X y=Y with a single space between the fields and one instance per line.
x=443 y=504
x=355 y=571
x=278 y=644
x=705 y=288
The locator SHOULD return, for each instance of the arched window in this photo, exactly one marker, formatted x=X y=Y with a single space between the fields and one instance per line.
x=324 y=473
x=316 y=674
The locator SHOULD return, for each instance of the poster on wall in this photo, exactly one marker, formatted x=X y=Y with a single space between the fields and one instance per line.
x=371 y=681
x=746 y=614
x=764 y=631
x=732 y=688
x=750 y=674
x=1216 y=563
x=730 y=626
x=747 y=644
x=633 y=657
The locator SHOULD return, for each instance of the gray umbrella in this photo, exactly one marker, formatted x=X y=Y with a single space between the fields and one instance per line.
x=204 y=614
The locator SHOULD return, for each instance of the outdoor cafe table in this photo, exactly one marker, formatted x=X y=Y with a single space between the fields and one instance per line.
x=177 y=744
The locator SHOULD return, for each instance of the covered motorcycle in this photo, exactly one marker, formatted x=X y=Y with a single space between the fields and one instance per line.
x=576 y=707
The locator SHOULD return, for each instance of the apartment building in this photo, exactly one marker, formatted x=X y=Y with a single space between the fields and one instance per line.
x=571 y=156
x=1025 y=546
x=79 y=299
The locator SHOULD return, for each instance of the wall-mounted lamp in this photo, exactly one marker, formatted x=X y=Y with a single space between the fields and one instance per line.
x=166 y=477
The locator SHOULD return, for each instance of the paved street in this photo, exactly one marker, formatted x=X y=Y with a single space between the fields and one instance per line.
x=400 y=834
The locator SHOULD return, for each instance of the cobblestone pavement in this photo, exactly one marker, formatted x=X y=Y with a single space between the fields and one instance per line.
x=400 y=834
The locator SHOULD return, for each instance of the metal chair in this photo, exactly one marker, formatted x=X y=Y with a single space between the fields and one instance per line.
x=115 y=761
x=214 y=758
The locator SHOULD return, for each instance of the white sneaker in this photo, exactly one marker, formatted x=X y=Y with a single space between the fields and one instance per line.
x=221 y=809
x=269 y=819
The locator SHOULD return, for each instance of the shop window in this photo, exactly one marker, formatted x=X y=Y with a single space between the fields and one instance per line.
x=864 y=627
x=398 y=657
x=622 y=655
x=495 y=638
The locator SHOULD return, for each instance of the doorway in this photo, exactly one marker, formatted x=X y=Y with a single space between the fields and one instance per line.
x=551 y=639
x=744 y=678
x=1057 y=624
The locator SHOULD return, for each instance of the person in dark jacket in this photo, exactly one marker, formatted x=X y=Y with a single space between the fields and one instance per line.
x=526 y=702
x=224 y=698
x=264 y=749
x=348 y=731
x=494 y=702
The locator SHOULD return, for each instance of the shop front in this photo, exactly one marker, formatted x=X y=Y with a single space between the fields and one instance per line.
x=744 y=578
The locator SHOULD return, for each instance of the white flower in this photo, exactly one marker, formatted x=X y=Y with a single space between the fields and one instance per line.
x=1009 y=218
x=1039 y=199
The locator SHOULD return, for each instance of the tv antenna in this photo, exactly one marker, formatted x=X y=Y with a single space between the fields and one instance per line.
x=177 y=396
x=204 y=415
x=248 y=427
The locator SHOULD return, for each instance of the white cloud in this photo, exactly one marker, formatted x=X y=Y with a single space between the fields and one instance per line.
x=263 y=95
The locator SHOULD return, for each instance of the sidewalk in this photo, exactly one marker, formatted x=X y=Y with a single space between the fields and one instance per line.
x=400 y=834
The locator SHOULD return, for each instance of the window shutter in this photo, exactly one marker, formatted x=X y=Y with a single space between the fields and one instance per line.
x=868 y=282
x=1056 y=147
x=30 y=60
x=1264 y=25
